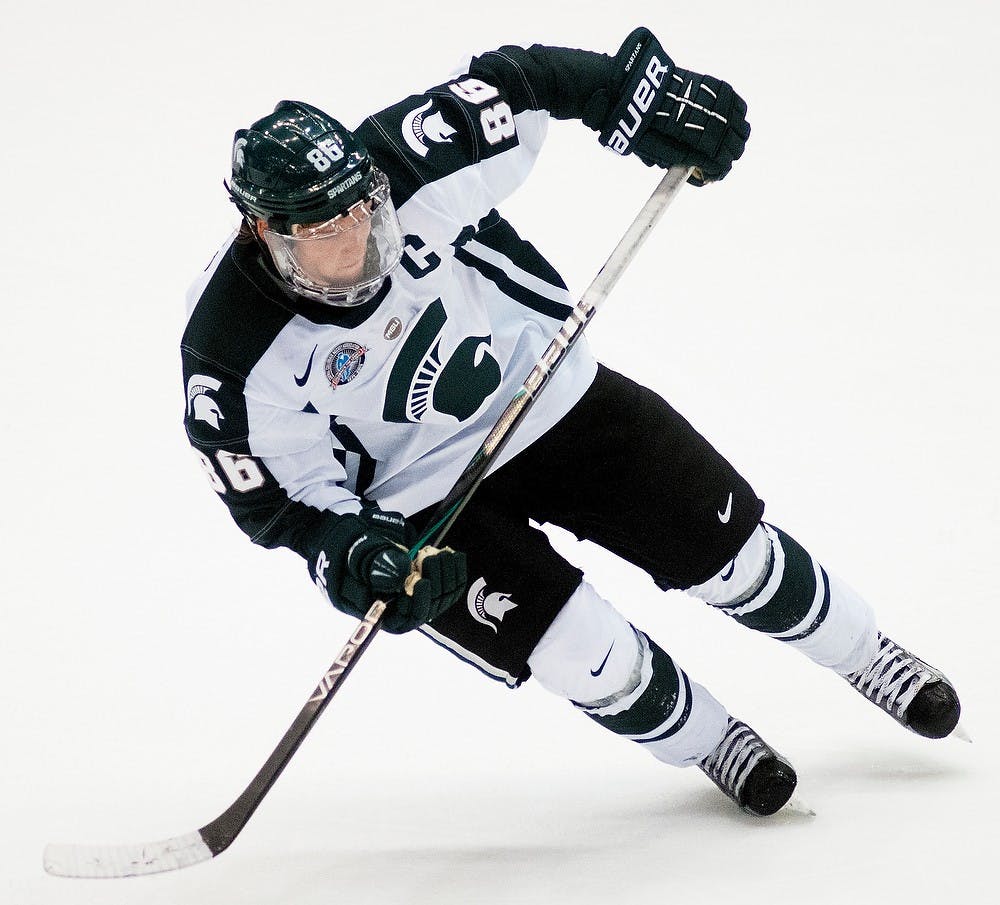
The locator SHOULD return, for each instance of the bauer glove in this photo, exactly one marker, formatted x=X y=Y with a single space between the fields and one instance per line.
x=666 y=115
x=364 y=558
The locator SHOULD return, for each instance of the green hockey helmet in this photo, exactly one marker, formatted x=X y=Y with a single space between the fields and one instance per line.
x=309 y=189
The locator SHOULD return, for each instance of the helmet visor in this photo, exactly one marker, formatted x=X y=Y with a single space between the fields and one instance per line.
x=342 y=261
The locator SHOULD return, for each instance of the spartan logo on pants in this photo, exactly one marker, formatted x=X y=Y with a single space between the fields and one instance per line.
x=486 y=606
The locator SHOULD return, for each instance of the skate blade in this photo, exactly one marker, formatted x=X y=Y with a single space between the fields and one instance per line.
x=797 y=806
x=960 y=733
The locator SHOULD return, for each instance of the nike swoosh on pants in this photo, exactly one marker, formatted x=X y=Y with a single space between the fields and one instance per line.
x=724 y=516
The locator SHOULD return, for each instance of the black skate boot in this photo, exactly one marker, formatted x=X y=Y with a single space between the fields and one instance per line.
x=911 y=691
x=749 y=771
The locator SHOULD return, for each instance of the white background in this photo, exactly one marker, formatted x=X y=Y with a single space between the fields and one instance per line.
x=826 y=316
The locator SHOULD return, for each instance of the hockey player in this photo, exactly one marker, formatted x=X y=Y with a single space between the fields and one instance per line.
x=349 y=348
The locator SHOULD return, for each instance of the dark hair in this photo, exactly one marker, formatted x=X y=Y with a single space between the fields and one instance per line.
x=245 y=236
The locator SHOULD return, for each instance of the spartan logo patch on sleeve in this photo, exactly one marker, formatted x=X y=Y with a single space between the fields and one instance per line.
x=201 y=406
x=421 y=126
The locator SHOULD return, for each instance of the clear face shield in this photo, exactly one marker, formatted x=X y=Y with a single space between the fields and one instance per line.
x=342 y=261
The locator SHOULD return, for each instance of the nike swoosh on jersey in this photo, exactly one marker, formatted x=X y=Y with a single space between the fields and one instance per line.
x=729 y=572
x=301 y=381
x=724 y=516
x=604 y=662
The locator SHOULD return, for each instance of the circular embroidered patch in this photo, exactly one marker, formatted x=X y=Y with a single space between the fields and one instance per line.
x=344 y=363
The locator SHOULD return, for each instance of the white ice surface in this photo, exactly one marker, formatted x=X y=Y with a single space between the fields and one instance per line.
x=827 y=317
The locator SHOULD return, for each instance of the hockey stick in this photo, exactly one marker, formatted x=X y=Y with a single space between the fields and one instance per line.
x=215 y=837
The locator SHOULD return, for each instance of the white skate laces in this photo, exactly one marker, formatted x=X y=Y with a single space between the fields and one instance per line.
x=893 y=677
x=749 y=771
x=911 y=691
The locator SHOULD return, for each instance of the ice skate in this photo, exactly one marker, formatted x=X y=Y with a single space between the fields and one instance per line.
x=911 y=691
x=749 y=771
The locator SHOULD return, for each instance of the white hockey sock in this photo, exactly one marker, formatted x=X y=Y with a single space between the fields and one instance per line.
x=847 y=638
x=775 y=587
x=621 y=679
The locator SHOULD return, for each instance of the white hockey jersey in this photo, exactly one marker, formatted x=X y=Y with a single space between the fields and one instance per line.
x=300 y=412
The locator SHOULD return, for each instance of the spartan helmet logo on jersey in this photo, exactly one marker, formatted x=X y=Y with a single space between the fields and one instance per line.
x=436 y=129
x=201 y=406
x=320 y=208
x=419 y=124
x=488 y=607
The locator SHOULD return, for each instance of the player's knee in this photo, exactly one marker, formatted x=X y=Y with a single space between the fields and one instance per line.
x=590 y=651
x=742 y=576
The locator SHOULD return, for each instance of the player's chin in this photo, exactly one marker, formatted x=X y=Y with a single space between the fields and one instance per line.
x=337 y=277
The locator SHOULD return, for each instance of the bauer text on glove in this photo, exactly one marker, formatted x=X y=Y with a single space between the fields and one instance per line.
x=666 y=115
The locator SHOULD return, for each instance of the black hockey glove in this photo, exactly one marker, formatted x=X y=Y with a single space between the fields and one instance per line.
x=666 y=115
x=364 y=558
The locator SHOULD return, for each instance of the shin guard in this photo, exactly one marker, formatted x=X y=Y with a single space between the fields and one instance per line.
x=623 y=681
x=775 y=587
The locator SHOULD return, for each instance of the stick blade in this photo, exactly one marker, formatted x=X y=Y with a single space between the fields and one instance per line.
x=109 y=861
